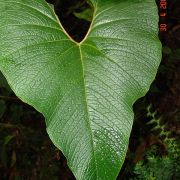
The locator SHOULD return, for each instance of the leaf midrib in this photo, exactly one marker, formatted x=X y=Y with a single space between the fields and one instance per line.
x=84 y=81
x=85 y=91
x=87 y=109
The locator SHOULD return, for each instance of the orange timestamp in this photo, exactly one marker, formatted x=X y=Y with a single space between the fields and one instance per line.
x=163 y=14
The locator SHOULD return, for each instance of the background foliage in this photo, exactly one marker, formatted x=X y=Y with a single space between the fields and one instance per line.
x=26 y=152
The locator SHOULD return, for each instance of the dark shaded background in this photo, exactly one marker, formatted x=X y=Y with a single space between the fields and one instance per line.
x=26 y=151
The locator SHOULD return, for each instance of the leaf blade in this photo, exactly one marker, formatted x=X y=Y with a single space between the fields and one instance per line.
x=85 y=90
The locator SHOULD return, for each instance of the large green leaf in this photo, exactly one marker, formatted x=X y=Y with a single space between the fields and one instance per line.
x=85 y=90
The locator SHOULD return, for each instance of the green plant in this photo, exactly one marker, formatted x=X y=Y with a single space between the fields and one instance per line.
x=155 y=166
x=158 y=168
x=85 y=90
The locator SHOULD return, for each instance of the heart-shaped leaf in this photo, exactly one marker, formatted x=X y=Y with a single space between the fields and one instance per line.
x=85 y=90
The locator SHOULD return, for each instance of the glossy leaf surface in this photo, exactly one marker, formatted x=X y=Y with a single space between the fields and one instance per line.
x=85 y=90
